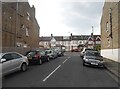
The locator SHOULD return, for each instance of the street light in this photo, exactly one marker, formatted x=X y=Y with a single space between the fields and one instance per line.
x=93 y=36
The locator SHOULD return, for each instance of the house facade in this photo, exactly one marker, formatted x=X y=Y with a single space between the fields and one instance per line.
x=19 y=25
x=110 y=29
x=71 y=43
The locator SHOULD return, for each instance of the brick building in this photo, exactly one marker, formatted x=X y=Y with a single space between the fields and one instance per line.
x=19 y=25
x=110 y=30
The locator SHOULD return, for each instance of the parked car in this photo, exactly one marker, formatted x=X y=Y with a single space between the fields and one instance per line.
x=74 y=50
x=51 y=53
x=83 y=51
x=60 y=52
x=12 y=61
x=93 y=58
x=37 y=56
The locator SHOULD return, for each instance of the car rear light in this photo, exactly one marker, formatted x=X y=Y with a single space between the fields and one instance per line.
x=37 y=56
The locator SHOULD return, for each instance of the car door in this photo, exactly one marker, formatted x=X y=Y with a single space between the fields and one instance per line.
x=17 y=61
x=7 y=65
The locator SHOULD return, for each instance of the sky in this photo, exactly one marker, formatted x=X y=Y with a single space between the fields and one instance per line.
x=63 y=17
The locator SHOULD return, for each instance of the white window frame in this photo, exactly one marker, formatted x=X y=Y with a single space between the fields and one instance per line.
x=28 y=16
x=27 y=32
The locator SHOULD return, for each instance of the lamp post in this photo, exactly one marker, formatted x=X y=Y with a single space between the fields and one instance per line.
x=93 y=36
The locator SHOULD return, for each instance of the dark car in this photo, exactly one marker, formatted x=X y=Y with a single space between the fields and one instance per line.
x=38 y=56
x=93 y=58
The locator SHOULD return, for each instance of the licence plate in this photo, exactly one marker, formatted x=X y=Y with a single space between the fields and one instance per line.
x=94 y=63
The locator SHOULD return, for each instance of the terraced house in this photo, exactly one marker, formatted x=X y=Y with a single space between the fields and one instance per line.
x=110 y=31
x=72 y=42
x=19 y=25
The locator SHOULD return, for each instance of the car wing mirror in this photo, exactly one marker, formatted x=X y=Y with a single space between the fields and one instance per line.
x=2 y=60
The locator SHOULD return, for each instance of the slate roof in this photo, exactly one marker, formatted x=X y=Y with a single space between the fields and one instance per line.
x=68 y=38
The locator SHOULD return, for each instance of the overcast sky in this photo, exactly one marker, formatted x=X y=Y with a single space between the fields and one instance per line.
x=62 y=17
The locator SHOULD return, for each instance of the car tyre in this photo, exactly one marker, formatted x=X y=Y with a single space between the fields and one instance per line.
x=24 y=67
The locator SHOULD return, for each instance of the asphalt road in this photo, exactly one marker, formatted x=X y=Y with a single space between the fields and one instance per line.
x=66 y=71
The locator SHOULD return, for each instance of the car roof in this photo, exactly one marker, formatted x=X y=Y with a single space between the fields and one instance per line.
x=1 y=54
x=35 y=50
x=8 y=52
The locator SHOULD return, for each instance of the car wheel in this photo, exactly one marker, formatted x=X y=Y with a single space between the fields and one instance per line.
x=24 y=67
x=40 y=62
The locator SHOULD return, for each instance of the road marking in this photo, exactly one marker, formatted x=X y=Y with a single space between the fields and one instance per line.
x=51 y=73
x=66 y=60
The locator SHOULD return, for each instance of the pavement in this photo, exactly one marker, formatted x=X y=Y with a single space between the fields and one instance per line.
x=113 y=67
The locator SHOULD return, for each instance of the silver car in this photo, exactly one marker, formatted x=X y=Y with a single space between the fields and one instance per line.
x=12 y=61
x=93 y=58
x=51 y=53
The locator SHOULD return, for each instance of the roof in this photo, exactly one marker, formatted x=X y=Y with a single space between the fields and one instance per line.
x=68 y=38
x=45 y=38
x=57 y=38
x=80 y=37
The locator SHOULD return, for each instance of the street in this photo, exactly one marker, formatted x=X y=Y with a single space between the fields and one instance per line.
x=66 y=71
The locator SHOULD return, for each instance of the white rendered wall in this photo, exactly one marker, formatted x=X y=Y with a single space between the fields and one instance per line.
x=113 y=54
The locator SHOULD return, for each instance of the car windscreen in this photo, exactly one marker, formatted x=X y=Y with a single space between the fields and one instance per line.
x=48 y=51
x=88 y=49
x=31 y=53
x=92 y=54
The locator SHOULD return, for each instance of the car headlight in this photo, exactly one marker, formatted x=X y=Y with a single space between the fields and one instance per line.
x=86 y=59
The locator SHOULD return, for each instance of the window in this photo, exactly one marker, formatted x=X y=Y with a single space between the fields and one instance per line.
x=16 y=56
x=98 y=42
x=42 y=53
x=28 y=16
x=107 y=27
x=30 y=53
x=90 y=42
x=7 y=57
x=22 y=26
x=27 y=33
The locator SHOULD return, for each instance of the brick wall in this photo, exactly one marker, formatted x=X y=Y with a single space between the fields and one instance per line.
x=119 y=25
x=110 y=47
x=15 y=21
x=105 y=34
